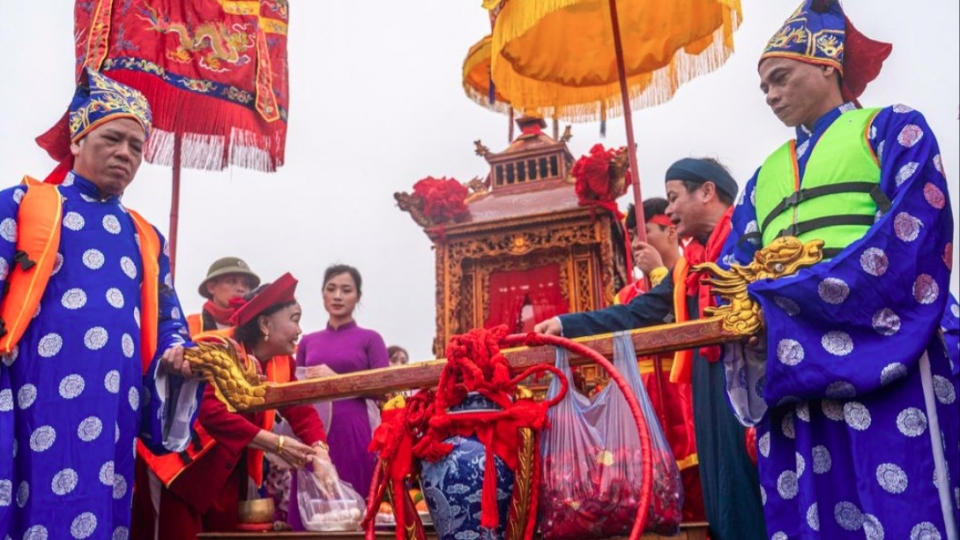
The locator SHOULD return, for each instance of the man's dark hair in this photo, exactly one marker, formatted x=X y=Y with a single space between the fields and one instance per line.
x=654 y=206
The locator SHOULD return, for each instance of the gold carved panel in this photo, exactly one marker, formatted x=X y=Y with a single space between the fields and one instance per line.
x=581 y=247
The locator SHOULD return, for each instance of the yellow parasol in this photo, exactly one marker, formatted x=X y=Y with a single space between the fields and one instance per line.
x=477 y=81
x=581 y=60
x=571 y=43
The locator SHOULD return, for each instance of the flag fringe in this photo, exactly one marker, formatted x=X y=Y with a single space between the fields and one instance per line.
x=215 y=133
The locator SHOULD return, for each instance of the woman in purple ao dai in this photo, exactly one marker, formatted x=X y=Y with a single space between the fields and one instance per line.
x=344 y=347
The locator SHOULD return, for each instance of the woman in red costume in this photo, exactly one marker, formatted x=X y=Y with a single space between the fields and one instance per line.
x=204 y=495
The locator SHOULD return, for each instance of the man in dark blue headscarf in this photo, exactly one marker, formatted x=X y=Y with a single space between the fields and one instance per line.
x=700 y=193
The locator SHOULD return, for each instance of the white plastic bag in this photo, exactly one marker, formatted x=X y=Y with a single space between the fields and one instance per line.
x=328 y=504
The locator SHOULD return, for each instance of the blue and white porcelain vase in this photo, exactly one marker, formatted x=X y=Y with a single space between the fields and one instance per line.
x=453 y=485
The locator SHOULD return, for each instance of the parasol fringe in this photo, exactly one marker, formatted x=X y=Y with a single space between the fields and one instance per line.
x=647 y=90
x=478 y=59
x=483 y=99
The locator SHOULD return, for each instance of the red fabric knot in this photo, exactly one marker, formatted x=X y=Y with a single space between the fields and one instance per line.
x=420 y=430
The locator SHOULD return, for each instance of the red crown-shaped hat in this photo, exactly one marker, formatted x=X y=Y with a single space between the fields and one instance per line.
x=280 y=291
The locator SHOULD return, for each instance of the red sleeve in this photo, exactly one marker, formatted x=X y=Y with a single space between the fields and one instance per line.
x=303 y=418
x=231 y=430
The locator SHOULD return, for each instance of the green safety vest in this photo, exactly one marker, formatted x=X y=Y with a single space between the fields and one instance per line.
x=838 y=198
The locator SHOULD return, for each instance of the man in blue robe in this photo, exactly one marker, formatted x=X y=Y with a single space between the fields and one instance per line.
x=75 y=391
x=853 y=387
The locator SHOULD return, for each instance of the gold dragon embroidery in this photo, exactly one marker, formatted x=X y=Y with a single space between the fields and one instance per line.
x=830 y=45
x=218 y=45
x=785 y=36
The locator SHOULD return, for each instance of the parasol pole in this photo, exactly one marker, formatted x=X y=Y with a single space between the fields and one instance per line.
x=628 y=120
x=634 y=174
x=510 y=127
x=175 y=202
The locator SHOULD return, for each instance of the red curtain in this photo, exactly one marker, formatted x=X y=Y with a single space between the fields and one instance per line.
x=522 y=298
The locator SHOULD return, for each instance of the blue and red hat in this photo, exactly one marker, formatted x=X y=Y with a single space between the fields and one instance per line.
x=820 y=33
x=98 y=99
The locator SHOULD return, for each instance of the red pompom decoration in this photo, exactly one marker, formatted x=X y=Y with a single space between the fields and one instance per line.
x=443 y=199
x=600 y=175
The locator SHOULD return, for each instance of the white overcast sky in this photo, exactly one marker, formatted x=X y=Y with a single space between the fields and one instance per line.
x=376 y=104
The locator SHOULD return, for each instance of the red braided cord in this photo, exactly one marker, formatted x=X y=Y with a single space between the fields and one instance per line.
x=475 y=364
x=646 y=482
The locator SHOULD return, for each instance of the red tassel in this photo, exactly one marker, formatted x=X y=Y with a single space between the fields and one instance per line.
x=862 y=61
x=59 y=173
x=489 y=514
x=377 y=489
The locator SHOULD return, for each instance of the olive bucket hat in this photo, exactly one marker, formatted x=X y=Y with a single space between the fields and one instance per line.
x=227 y=266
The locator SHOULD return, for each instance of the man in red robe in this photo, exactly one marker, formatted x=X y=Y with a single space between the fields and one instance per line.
x=701 y=194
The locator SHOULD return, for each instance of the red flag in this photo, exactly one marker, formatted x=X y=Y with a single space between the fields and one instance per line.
x=214 y=71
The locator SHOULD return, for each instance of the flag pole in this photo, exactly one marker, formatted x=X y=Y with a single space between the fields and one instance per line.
x=175 y=203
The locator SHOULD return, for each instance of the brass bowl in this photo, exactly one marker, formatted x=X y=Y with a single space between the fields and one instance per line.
x=256 y=511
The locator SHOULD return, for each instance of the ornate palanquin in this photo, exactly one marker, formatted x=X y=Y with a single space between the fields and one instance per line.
x=525 y=250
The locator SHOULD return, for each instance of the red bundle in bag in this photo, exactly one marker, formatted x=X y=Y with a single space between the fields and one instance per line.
x=593 y=462
x=571 y=470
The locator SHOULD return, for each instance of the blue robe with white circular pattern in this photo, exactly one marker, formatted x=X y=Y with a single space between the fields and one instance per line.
x=855 y=396
x=72 y=393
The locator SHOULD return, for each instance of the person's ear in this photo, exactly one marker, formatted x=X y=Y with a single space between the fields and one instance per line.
x=265 y=326
x=709 y=191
